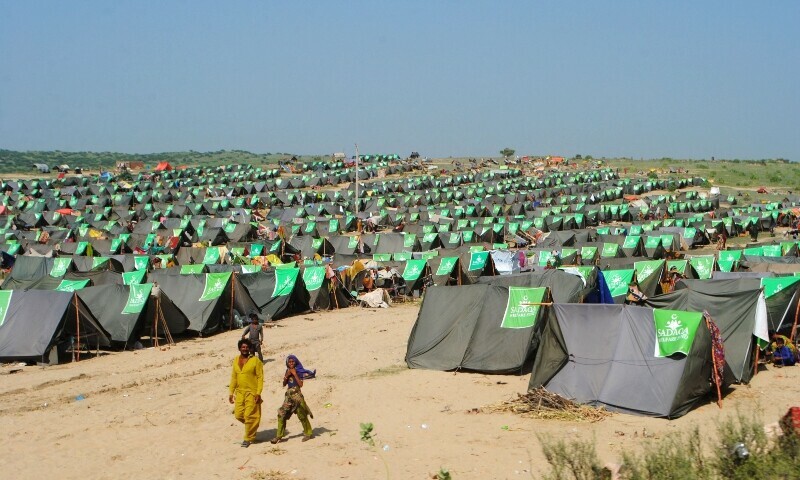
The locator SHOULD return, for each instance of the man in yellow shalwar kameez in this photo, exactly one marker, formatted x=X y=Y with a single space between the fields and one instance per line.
x=247 y=381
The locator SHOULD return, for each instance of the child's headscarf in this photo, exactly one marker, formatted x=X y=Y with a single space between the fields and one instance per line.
x=301 y=371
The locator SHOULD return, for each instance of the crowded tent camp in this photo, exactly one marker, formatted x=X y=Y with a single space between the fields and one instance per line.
x=585 y=292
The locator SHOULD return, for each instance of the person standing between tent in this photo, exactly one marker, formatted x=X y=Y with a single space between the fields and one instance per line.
x=255 y=334
x=293 y=401
x=247 y=381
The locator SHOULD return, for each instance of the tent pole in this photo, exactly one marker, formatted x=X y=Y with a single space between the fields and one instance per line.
x=77 y=327
x=230 y=313
x=792 y=336
x=154 y=340
x=755 y=368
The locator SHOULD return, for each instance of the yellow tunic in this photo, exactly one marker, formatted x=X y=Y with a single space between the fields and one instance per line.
x=246 y=383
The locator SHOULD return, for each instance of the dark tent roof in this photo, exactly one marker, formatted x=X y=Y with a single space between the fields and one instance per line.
x=604 y=355
x=37 y=320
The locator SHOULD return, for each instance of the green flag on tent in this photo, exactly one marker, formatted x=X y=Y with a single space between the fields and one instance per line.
x=214 y=285
x=413 y=270
x=137 y=297
x=646 y=268
x=522 y=307
x=60 y=265
x=313 y=277
x=777 y=284
x=675 y=331
x=71 y=285
x=285 y=279
x=251 y=268
x=618 y=281
x=477 y=260
x=5 y=301
x=446 y=266
x=211 y=256
x=192 y=269
x=134 y=277
x=703 y=265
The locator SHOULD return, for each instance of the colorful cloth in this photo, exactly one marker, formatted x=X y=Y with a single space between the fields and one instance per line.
x=294 y=402
x=783 y=356
x=301 y=372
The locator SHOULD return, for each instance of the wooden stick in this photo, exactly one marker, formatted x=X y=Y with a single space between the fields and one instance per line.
x=792 y=335
x=755 y=369
x=154 y=340
x=533 y=304
x=77 y=328
x=230 y=313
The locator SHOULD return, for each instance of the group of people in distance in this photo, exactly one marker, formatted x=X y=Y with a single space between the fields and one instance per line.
x=247 y=383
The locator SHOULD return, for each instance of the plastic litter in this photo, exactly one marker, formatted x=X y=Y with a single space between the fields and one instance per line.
x=79 y=398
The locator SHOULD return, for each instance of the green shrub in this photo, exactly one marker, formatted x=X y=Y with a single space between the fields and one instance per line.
x=576 y=460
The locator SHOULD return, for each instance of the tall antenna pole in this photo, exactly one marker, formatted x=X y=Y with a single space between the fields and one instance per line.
x=357 y=159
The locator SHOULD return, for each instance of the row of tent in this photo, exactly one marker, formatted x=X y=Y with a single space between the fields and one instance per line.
x=595 y=354
x=116 y=309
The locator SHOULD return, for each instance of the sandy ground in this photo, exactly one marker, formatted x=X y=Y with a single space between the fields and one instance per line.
x=164 y=413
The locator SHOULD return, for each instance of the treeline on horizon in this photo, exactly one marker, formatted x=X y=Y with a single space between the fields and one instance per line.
x=12 y=161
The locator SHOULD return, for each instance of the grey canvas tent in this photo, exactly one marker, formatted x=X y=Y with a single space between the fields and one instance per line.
x=107 y=304
x=272 y=297
x=39 y=324
x=461 y=328
x=604 y=355
x=737 y=309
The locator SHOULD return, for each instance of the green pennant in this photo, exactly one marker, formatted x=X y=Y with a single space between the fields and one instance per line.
x=477 y=260
x=137 y=297
x=520 y=313
x=313 y=278
x=446 y=266
x=60 y=266
x=256 y=249
x=211 y=256
x=71 y=285
x=609 y=250
x=99 y=261
x=251 y=268
x=730 y=255
x=675 y=331
x=192 y=269
x=775 y=285
x=588 y=253
x=285 y=279
x=214 y=286
x=5 y=301
x=646 y=268
x=413 y=270
x=80 y=248
x=382 y=257
x=618 y=281
x=631 y=241
x=402 y=256
x=140 y=262
x=725 y=265
x=704 y=266
x=134 y=277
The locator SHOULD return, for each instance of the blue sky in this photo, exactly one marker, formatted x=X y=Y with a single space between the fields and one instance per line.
x=681 y=79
